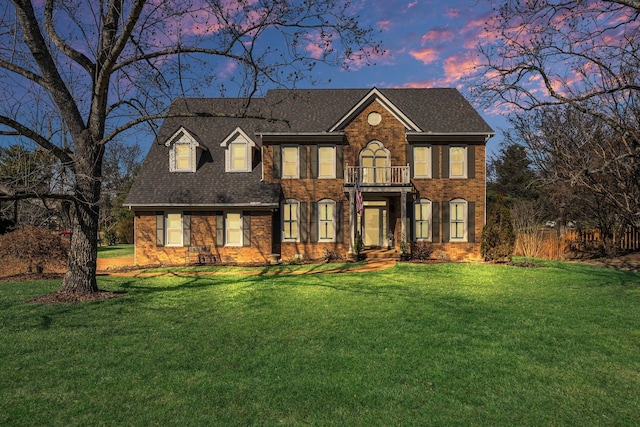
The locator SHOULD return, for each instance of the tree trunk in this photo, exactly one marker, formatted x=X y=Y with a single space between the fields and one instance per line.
x=83 y=252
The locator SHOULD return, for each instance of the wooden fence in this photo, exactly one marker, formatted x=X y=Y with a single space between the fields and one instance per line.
x=561 y=243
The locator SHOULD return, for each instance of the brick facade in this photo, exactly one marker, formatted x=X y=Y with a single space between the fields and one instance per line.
x=350 y=135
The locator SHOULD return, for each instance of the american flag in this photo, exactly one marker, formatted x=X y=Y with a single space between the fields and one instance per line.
x=359 y=202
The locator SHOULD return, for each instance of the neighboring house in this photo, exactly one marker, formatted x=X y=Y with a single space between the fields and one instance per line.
x=281 y=182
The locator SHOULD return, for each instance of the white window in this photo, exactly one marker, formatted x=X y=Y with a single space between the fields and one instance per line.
x=173 y=223
x=326 y=162
x=238 y=148
x=290 y=220
x=422 y=219
x=327 y=220
x=458 y=220
x=238 y=157
x=422 y=162
x=457 y=162
x=290 y=167
x=182 y=151
x=233 y=229
x=183 y=157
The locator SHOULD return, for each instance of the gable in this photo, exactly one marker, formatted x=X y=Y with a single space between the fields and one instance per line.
x=375 y=95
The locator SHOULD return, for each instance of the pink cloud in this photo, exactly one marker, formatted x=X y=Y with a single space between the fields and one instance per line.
x=426 y=56
x=384 y=25
x=452 y=12
x=437 y=36
x=413 y=3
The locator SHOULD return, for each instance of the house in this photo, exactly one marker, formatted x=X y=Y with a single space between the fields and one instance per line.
x=284 y=180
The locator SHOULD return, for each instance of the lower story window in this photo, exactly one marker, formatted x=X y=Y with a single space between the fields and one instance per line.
x=174 y=229
x=326 y=222
x=233 y=222
x=458 y=212
x=423 y=220
x=290 y=220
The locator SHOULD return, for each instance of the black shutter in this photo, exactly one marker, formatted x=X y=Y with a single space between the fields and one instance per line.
x=435 y=222
x=246 y=228
x=186 y=229
x=304 y=237
x=446 y=226
x=435 y=161
x=445 y=161
x=219 y=229
x=159 y=228
x=409 y=155
x=471 y=161
x=411 y=214
x=313 y=160
x=302 y=152
x=277 y=161
x=339 y=223
x=314 y=232
x=339 y=162
x=471 y=220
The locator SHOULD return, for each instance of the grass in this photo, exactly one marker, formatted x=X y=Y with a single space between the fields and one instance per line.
x=446 y=344
x=115 y=251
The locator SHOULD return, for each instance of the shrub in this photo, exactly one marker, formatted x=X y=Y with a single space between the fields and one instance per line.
x=498 y=236
x=421 y=250
x=35 y=246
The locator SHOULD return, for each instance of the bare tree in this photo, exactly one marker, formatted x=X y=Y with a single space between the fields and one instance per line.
x=584 y=56
x=96 y=69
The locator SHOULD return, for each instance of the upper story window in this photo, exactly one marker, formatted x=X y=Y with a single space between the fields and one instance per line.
x=422 y=162
x=182 y=151
x=458 y=220
x=238 y=153
x=326 y=162
x=374 y=162
x=290 y=166
x=457 y=162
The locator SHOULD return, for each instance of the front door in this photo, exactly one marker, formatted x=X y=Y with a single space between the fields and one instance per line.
x=375 y=223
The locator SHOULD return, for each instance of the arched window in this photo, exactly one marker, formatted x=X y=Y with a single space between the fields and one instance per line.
x=374 y=163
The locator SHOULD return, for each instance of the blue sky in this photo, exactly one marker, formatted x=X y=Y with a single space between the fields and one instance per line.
x=428 y=43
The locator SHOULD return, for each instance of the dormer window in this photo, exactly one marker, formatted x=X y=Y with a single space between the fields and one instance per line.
x=182 y=151
x=239 y=149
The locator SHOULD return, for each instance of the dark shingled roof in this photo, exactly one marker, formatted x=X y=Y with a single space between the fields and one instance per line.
x=436 y=111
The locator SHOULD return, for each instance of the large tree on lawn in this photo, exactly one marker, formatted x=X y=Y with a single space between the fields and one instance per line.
x=96 y=69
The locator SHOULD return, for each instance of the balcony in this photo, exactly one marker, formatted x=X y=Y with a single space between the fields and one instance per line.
x=377 y=176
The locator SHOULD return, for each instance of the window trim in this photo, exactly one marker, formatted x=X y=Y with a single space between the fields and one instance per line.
x=428 y=220
x=428 y=161
x=297 y=157
x=333 y=162
x=331 y=221
x=182 y=137
x=285 y=203
x=229 y=153
x=464 y=162
x=464 y=221
x=166 y=229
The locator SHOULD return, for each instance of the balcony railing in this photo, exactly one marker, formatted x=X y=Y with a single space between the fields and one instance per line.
x=393 y=175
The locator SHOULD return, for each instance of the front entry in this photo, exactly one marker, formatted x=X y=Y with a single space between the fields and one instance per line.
x=375 y=223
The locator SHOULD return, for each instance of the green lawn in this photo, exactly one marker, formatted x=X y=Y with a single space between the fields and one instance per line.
x=115 y=251
x=446 y=344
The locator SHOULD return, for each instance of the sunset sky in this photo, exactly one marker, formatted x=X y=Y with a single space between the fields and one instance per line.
x=428 y=43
